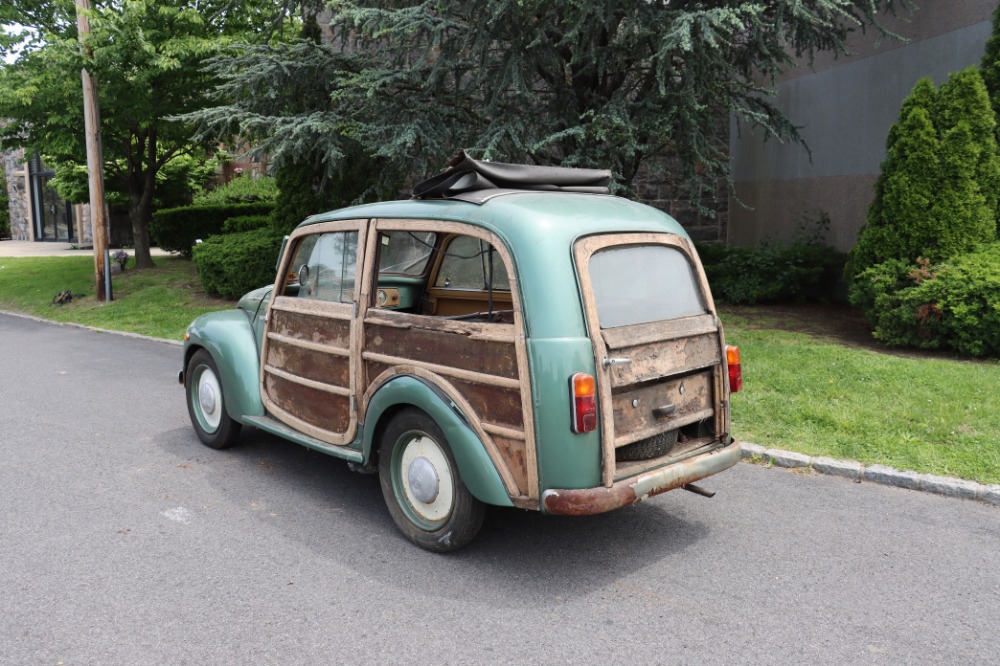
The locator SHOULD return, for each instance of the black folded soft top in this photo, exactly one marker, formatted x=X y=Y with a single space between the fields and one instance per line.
x=477 y=181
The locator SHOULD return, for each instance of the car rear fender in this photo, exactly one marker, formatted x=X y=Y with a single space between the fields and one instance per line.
x=228 y=337
x=474 y=464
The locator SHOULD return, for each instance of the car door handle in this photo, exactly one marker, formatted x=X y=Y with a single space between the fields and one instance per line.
x=608 y=362
x=663 y=411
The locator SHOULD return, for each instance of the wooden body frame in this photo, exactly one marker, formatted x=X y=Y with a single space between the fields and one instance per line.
x=509 y=441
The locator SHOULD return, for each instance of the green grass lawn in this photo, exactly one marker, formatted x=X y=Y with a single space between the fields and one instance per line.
x=808 y=387
x=815 y=394
x=159 y=301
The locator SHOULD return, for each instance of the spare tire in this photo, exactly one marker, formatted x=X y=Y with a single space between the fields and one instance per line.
x=651 y=447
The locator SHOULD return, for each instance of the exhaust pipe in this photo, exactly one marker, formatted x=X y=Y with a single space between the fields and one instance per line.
x=698 y=490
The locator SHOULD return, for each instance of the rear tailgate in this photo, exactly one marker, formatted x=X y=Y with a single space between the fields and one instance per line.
x=659 y=351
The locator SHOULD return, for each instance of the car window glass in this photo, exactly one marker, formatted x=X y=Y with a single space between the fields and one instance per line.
x=638 y=284
x=405 y=252
x=331 y=265
x=466 y=266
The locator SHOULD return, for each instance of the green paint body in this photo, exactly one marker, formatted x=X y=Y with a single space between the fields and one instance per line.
x=539 y=230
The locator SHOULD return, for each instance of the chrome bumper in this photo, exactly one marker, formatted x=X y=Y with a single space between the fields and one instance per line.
x=634 y=489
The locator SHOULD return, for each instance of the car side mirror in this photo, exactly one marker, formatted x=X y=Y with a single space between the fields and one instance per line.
x=281 y=252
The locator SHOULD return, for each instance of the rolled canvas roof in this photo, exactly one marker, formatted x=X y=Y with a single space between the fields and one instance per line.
x=466 y=176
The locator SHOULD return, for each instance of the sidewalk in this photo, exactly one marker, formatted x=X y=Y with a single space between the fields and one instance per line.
x=13 y=248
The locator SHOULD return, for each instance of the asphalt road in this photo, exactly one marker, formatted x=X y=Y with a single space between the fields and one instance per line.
x=124 y=541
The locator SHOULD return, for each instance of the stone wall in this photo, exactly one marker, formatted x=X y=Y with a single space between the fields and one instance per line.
x=17 y=190
x=705 y=218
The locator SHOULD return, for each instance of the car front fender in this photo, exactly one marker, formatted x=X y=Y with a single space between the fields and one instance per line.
x=228 y=337
x=474 y=464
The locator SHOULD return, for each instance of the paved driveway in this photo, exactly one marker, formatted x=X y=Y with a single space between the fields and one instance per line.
x=124 y=541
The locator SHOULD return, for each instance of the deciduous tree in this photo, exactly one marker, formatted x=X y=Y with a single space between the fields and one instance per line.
x=147 y=57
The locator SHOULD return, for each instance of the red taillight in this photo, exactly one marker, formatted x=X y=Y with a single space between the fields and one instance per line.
x=583 y=402
x=735 y=371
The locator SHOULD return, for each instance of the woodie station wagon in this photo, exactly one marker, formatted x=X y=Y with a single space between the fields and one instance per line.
x=512 y=336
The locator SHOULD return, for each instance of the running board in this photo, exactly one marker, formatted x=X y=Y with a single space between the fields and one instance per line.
x=278 y=428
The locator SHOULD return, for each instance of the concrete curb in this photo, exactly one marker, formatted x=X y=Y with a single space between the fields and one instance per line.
x=126 y=334
x=886 y=476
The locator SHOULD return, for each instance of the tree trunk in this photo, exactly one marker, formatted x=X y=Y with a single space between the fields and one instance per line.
x=142 y=183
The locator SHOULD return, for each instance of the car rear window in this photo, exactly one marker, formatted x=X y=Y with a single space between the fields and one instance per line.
x=638 y=284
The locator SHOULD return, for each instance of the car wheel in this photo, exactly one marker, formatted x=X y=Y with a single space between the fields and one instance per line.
x=206 y=403
x=421 y=485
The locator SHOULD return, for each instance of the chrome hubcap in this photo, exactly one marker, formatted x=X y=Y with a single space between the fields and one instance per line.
x=423 y=480
x=426 y=479
x=207 y=398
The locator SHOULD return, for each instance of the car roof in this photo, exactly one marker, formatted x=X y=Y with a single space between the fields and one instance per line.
x=524 y=217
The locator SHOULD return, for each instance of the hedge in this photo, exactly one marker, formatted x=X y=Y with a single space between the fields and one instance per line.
x=177 y=229
x=773 y=272
x=953 y=305
x=230 y=265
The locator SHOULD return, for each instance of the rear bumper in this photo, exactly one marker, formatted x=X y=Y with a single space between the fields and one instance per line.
x=590 y=501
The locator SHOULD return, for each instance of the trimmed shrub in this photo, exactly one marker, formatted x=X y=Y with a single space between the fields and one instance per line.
x=230 y=265
x=245 y=223
x=773 y=271
x=243 y=189
x=176 y=229
x=953 y=305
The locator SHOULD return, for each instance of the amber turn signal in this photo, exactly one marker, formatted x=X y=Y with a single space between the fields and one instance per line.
x=583 y=403
x=735 y=370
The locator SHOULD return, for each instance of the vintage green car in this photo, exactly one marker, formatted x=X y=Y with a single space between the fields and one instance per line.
x=512 y=336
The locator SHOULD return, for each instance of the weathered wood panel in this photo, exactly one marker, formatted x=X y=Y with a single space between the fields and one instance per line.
x=634 y=410
x=663 y=359
x=319 y=408
x=311 y=364
x=513 y=453
x=322 y=330
x=492 y=404
x=472 y=329
x=658 y=331
x=449 y=349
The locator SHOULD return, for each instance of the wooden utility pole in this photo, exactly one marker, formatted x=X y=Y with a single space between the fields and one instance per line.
x=95 y=163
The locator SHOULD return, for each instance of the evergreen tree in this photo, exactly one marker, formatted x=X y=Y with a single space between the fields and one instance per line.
x=964 y=98
x=574 y=82
x=937 y=193
x=990 y=64
x=964 y=210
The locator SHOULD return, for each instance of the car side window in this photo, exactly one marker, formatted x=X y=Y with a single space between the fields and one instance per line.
x=406 y=252
x=468 y=263
x=325 y=267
